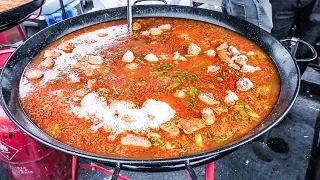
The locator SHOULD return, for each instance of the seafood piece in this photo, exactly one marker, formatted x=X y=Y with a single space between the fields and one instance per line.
x=208 y=98
x=208 y=116
x=128 y=56
x=194 y=49
x=244 y=84
x=151 y=58
x=135 y=140
x=170 y=128
x=191 y=125
x=33 y=74
x=231 y=98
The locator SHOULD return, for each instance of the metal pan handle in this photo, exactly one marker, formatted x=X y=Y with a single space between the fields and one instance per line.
x=293 y=44
x=139 y=1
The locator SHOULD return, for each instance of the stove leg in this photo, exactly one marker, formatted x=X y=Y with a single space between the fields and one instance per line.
x=75 y=168
x=209 y=171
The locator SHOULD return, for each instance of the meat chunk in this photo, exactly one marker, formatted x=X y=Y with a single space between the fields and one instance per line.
x=184 y=36
x=212 y=68
x=33 y=74
x=208 y=116
x=240 y=59
x=165 y=27
x=47 y=63
x=194 y=49
x=223 y=47
x=132 y=66
x=208 y=98
x=224 y=56
x=180 y=94
x=156 y=31
x=51 y=53
x=135 y=140
x=244 y=84
x=66 y=47
x=178 y=57
x=128 y=56
x=234 y=51
x=136 y=26
x=170 y=128
x=231 y=98
x=191 y=125
x=95 y=60
x=210 y=52
x=151 y=58
x=249 y=68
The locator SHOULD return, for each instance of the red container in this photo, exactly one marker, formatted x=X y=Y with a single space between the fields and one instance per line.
x=26 y=159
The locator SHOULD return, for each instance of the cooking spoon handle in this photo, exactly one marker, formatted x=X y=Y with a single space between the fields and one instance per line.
x=129 y=15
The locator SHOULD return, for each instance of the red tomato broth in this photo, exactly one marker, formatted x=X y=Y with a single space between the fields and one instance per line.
x=51 y=112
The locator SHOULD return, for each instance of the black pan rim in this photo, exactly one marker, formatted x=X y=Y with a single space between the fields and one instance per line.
x=163 y=161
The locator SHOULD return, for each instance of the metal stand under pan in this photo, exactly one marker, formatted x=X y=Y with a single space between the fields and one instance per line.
x=188 y=166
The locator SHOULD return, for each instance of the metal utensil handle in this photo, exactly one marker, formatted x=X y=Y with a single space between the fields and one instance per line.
x=138 y=1
x=294 y=44
x=192 y=174
x=129 y=15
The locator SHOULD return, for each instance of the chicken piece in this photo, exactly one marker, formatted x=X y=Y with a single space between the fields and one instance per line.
x=231 y=98
x=91 y=83
x=145 y=33
x=164 y=56
x=156 y=31
x=178 y=57
x=47 y=63
x=193 y=49
x=234 y=51
x=180 y=94
x=191 y=125
x=136 y=26
x=170 y=128
x=212 y=68
x=135 y=140
x=51 y=53
x=244 y=84
x=223 y=47
x=208 y=98
x=66 y=47
x=234 y=66
x=165 y=27
x=224 y=56
x=240 y=59
x=250 y=53
x=248 y=68
x=210 y=52
x=208 y=116
x=102 y=34
x=132 y=66
x=151 y=58
x=95 y=60
x=33 y=74
x=128 y=56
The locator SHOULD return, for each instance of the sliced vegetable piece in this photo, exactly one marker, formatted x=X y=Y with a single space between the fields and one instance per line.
x=198 y=140
x=156 y=141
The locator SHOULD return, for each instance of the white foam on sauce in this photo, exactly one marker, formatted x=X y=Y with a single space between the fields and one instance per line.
x=152 y=114
x=64 y=62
